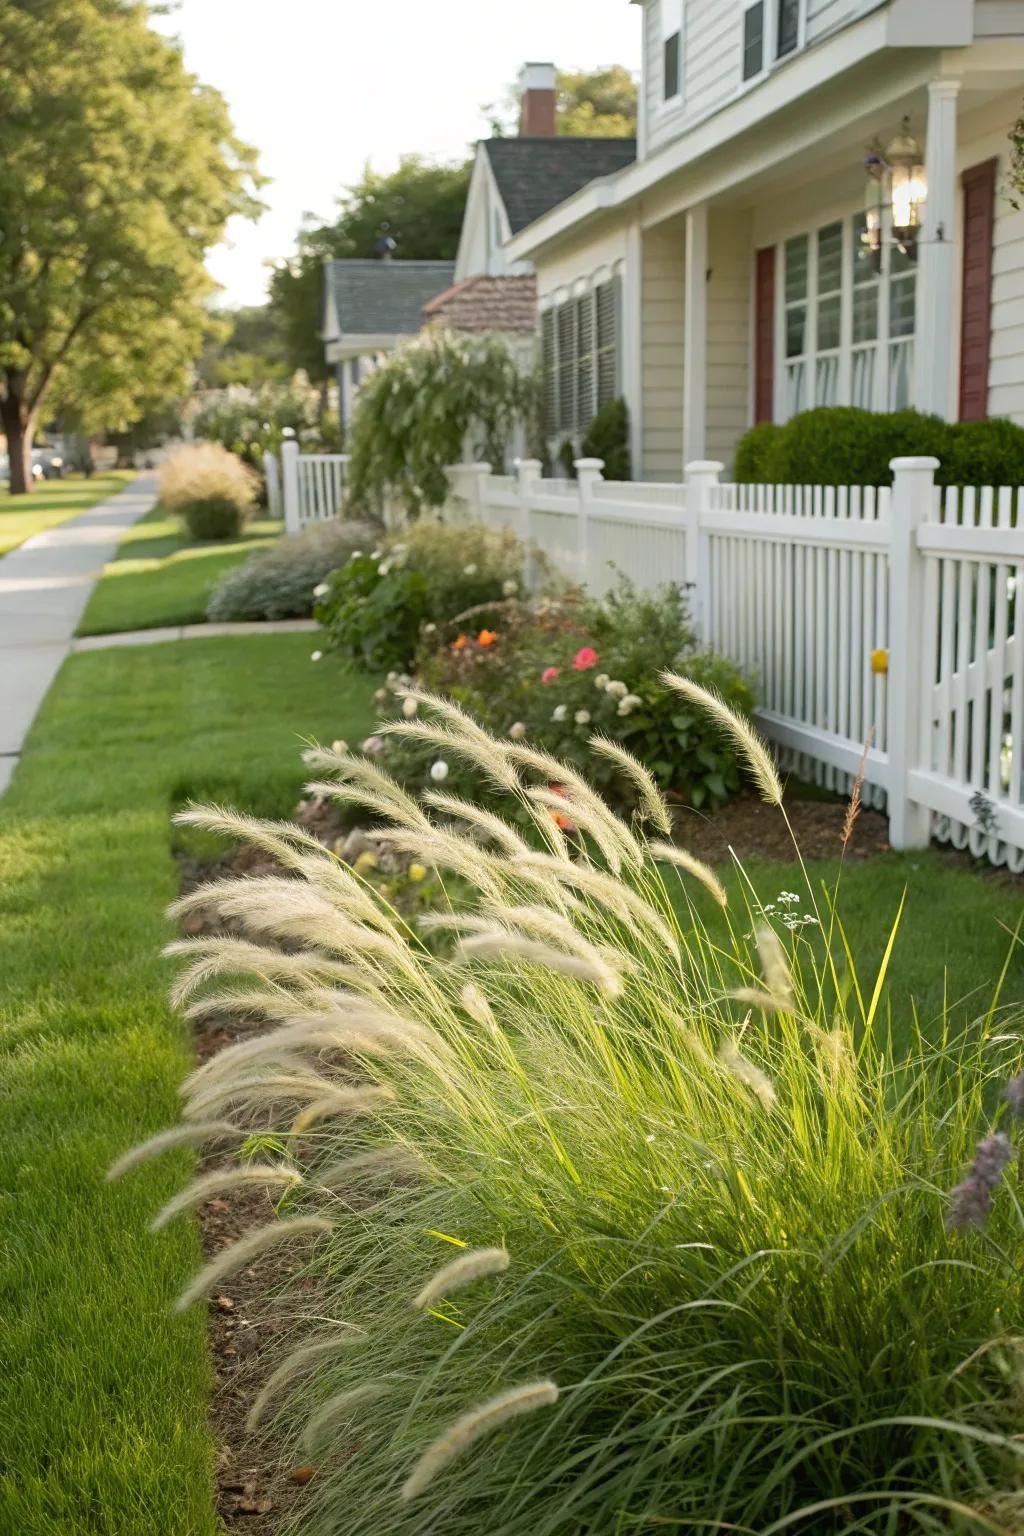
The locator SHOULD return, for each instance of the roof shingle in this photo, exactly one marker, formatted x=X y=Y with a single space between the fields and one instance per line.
x=485 y=303
x=535 y=174
x=384 y=298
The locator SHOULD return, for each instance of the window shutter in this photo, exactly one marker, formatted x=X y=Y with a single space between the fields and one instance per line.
x=585 y=380
x=549 y=350
x=753 y=40
x=607 y=342
x=764 y=335
x=979 y=183
x=567 y=367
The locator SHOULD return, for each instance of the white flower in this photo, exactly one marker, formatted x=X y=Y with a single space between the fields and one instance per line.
x=321 y=590
x=409 y=708
x=392 y=677
x=469 y=570
x=510 y=588
x=582 y=717
x=339 y=746
x=316 y=656
x=616 y=690
x=356 y=554
x=430 y=629
x=517 y=731
x=376 y=554
x=384 y=567
x=628 y=704
x=560 y=711
x=439 y=771
x=602 y=680
x=380 y=696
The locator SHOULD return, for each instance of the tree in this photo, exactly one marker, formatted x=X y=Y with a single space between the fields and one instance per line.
x=246 y=347
x=590 y=104
x=118 y=171
x=420 y=205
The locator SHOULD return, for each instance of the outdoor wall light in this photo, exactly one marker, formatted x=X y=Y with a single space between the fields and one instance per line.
x=897 y=181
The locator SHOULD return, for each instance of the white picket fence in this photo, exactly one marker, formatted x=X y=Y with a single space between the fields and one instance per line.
x=313 y=486
x=879 y=625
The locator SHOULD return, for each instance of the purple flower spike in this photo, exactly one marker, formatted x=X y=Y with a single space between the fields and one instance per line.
x=1013 y=1093
x=971 y=1201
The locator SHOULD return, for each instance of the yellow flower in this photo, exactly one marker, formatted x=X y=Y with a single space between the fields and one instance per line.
x=879 y=661
x=365 y=862
x=417 y=872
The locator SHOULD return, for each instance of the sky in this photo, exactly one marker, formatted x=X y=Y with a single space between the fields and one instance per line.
x=320 y=87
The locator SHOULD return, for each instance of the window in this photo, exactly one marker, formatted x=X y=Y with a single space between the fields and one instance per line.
x=579 y=340
x=672 y=49
x=753 y=40
x=787 y=34
x=847 y=329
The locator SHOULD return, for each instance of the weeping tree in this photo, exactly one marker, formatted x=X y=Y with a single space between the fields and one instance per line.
x=435 y=399
x=118 y=172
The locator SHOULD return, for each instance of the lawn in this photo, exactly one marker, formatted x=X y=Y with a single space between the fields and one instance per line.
x=102 y=1390
x=53 y=502
x=162 y=577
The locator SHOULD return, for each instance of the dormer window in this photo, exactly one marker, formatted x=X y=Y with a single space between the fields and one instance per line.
x=788 y=29
x=771 y=30
x=672 y=49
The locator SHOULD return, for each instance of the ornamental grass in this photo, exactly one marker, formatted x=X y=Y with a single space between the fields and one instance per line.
x=617 y=1219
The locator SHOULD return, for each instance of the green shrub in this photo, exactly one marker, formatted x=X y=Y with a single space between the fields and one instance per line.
x=607 y=438
x=374 y=607
x=843 y=445
x=753 y=454
x=211 y=490
x=645 y=1163
x=278 y=583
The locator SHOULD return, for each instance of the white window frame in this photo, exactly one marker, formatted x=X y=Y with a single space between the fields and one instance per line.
x=770 y=57
x=672 y=17
x=884 y=346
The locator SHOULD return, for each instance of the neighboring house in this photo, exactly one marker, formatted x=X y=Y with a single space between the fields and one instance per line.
x=371 y=307
x=776 y=245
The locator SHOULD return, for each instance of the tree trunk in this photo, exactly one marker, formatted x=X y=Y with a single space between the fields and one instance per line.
x=17 y=426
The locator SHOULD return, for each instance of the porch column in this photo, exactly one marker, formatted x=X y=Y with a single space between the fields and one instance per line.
x=632 y=343
x=695 y=334
x=937 y=265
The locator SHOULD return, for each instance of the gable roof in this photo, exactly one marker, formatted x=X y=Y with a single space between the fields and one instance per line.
x=383 y=298
x=483 y=303
x=534 y=174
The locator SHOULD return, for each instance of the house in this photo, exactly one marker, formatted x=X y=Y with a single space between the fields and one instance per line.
x=817 y=214
x=369 y=309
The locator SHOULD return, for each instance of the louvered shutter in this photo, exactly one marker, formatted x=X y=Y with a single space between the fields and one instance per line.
x=566 y=321
x=549 y=351
x=585 y=375
x=607 y=305
x=979 y=185
x=764 y=335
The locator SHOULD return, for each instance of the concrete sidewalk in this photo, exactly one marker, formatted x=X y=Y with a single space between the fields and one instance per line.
x=44 y=587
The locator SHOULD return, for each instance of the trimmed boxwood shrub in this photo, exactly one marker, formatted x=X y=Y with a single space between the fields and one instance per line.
x=843 y=445
x=607 y=438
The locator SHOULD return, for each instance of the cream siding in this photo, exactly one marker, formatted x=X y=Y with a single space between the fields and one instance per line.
x=825 y=16
x=728 y=350
x=984 y=137
x=662 y=352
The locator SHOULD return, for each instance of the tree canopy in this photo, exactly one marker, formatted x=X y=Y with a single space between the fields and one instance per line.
x=118 y=171
x=589 y=104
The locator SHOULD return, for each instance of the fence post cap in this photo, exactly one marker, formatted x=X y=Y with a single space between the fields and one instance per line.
x=919 y=463
x=704 y=467
x=595 y=464
x=528 y=466
x=481 y=467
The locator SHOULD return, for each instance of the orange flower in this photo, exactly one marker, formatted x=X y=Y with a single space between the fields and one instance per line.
x=487 y=637
x=461 y=643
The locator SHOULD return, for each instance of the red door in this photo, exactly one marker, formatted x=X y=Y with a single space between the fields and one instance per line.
x=979 y=185
x=764 y=335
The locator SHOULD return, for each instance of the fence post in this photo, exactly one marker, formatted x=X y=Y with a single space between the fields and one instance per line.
x=588 y=474
x=913 y=502
x=528 y=472
x=273 y=484
x=476 y=474
x=701 y=475
x=290 y=479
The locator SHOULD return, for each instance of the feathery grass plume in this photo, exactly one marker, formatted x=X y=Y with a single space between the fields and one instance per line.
x=194 y=1134
x=775 y=966
x=299 y=1361
x=505 y=944
x=337 y=1409
x=620 y=899
x=451 y=713
x=853 y=809
x=542 y=922
x=223 y=956
x=341 y=1101
x=753 y=748
x=220 y=1182
x=271 y=1004
x=582 y=797
x=268 y=1088
x=652 y=802
x=751 y=1076
x=754 y=997
x=362 y=773
x=670 y=854
x=448 y=850
x=467 y=1429
x=486 y=754
x=465 y=810
x=584 y=818
x=376 y=1162
x=477 y=1006
x=247 y=1248
x=284 y=839
x=474 y=1265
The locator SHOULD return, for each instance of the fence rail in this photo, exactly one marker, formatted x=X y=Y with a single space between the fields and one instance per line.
x=313 y=486
x=881 y=625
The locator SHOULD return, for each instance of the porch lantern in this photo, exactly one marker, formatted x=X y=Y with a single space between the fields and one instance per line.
x=908 y=188
x=874 y=203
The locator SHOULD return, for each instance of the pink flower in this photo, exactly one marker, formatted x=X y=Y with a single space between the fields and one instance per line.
x=550 y=673
x=585 y=657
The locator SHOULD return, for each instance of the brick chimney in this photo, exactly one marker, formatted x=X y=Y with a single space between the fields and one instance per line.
x=537 y=95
